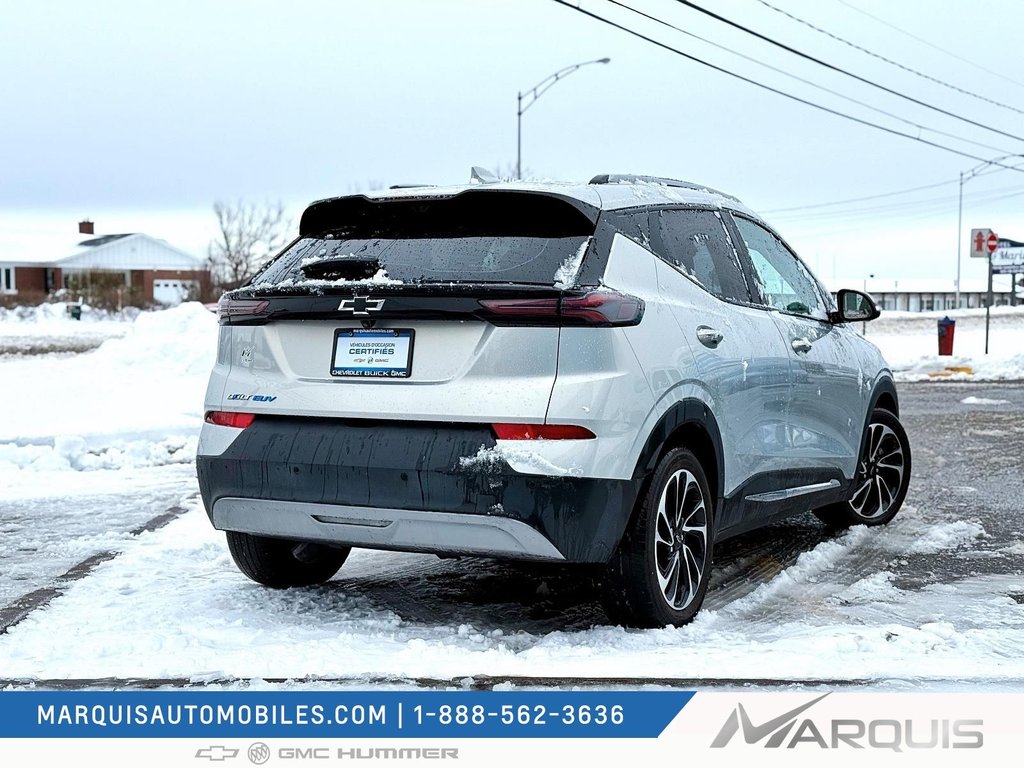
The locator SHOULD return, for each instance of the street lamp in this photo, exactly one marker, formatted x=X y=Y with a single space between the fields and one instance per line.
x=966 y=176
x=535 y=93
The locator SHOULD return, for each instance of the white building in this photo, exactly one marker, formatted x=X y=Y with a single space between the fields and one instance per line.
x=142 y=267
x=928 y=294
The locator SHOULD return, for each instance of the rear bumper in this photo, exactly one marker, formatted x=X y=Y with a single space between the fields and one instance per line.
x=405 y=486
x=377 y=528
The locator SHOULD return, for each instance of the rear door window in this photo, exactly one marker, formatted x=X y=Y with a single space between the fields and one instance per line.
x=696 y=243
x=781 y=278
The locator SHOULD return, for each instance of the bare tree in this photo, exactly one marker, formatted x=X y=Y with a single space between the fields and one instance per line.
x=248 y=235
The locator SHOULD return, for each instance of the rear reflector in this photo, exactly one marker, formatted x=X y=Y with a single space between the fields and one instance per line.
x=230 y=419
x=601 y=308
x=541 y=432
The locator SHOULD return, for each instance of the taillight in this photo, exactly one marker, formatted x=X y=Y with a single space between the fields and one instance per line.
x=601 y=308
x=541 y=432
x=228 y=308
x=521 y=311
x=230 y=419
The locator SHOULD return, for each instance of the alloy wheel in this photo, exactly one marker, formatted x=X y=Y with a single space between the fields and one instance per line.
x=880 y=473
x=681 y=539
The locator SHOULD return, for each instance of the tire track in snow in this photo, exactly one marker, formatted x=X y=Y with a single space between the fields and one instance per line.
x=18 y=610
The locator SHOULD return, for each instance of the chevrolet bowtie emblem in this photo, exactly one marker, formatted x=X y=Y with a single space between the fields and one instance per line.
x=361 y=305
x=216 y=753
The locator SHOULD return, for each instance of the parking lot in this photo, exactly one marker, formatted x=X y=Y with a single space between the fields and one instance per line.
x=934 y=599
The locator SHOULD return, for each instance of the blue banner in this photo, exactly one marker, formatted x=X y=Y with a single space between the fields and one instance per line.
x=327 y=714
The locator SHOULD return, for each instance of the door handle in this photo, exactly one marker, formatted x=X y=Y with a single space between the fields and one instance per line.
x=708 y=336
x=801 y=345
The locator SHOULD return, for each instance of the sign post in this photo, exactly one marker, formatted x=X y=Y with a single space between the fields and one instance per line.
x=991 y=243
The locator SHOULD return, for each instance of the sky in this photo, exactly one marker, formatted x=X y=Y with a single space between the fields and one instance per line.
x=140 y=116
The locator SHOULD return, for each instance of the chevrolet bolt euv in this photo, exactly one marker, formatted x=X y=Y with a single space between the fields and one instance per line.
x=622 y=373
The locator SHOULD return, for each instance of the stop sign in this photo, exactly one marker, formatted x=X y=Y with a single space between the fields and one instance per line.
x=992 y=243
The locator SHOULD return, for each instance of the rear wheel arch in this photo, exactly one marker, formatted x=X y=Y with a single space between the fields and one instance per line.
x=687 y=424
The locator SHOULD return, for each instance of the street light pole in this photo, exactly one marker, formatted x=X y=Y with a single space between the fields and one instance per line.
x=959 y=230
x=535 y=93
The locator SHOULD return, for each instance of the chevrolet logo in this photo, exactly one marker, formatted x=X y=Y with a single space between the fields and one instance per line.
x=361 y=305
x=216 y=753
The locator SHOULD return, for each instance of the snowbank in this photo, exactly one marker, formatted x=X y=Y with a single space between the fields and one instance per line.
x=48 y=328
x=148 y=384
x=57 y=313
x=73 y=452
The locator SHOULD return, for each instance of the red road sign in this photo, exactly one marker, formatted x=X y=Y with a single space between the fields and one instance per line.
x=992 y=243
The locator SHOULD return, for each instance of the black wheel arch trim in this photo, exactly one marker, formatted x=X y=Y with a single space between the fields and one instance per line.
x=689 y=411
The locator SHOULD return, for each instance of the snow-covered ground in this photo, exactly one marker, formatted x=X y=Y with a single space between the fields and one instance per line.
x=909 y=341
x=104 y=440
x=173 y=606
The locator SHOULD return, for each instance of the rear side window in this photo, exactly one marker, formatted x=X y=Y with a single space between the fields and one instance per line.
x=476 y=237
x=697 y=244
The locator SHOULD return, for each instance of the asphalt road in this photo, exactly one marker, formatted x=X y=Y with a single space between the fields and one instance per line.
x=968 y=464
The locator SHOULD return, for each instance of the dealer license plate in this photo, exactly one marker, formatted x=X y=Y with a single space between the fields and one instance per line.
x=378 y=353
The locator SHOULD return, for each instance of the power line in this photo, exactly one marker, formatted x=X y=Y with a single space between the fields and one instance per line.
x=938 y=203
x=866 y=223
x=833 y=67
x=880 y=57
x=766 y=87
x=869 y=223
x=921 y=40
x=883 y=194
x=861 y=199
x=811 y=83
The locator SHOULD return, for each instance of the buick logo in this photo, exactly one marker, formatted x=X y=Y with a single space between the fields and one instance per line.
x=361 y=305
x=259 y=753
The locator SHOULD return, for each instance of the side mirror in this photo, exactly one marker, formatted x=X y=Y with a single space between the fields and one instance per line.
x=854 y=307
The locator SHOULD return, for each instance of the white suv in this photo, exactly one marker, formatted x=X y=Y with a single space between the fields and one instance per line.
x=622 y=373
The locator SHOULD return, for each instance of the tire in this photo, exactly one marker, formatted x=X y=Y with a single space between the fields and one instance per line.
x=882 y=479
x=659 y=574
x=280 y=563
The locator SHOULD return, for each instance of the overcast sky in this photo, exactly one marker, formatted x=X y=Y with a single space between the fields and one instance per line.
x=141 y=115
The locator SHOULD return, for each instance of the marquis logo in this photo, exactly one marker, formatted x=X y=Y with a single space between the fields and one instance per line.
x=789 y=730
x=777 y=728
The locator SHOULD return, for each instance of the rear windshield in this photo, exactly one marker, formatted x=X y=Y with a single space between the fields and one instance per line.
x=529 y=260
x=474 y=237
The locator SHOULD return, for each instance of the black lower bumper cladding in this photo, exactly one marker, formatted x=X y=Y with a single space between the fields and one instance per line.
x=415 y=466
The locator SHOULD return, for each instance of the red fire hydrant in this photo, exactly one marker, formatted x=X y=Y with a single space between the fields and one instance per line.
x=947 y=328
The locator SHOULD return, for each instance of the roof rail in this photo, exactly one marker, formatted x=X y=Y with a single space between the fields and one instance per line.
x=627 y=178
x=410 y=186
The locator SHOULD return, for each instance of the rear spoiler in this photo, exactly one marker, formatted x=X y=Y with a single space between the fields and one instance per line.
x=473 y=212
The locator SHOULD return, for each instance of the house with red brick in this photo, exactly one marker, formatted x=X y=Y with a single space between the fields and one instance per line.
x=140 y=268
